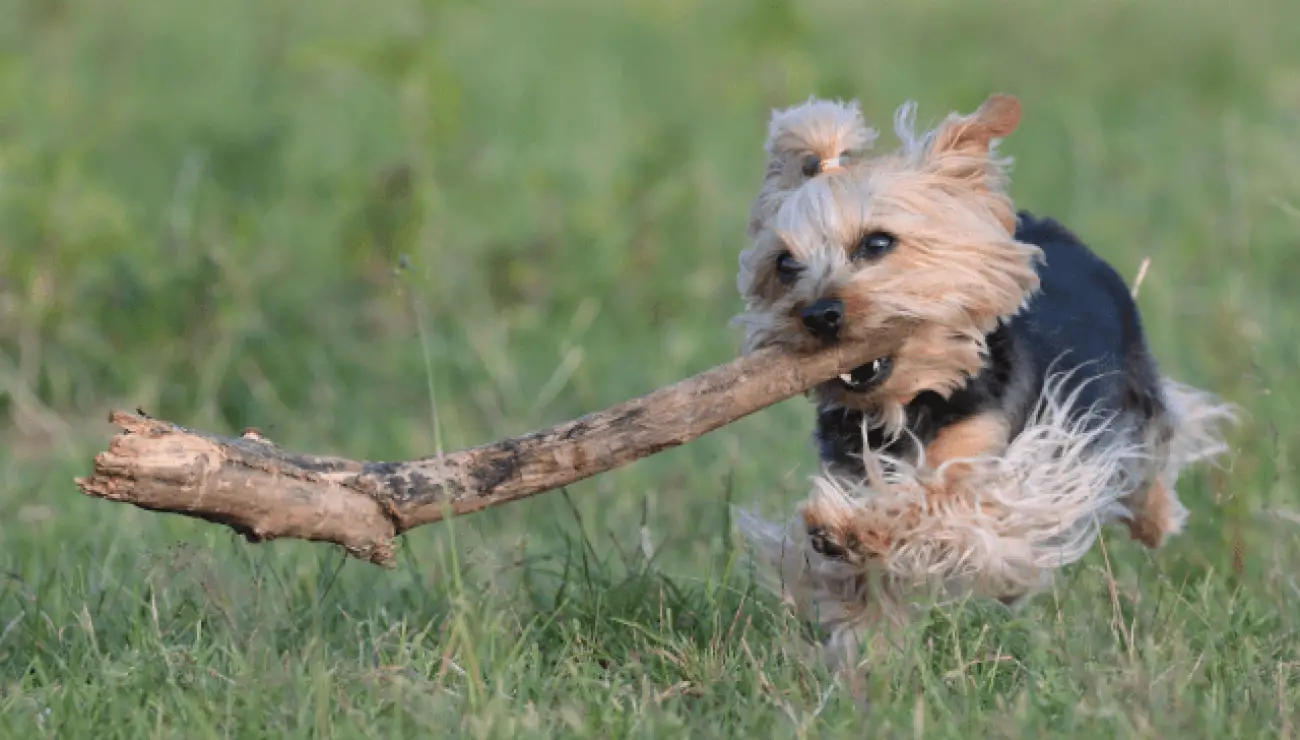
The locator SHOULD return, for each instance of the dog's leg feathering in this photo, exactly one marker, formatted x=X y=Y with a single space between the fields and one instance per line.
x=863 y=553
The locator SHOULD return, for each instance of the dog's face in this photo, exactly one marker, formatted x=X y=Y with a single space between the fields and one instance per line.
x=924 y=233
x=805 y=141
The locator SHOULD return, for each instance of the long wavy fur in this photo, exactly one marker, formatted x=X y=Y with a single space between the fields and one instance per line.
x=1024 y=515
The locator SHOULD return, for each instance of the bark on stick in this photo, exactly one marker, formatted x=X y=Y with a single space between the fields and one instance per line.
x=263 y=492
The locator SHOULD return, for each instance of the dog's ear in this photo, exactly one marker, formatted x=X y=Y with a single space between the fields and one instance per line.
x=961 y=151
x=973 y=135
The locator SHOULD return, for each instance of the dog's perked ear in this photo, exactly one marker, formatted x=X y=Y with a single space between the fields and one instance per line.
x=962 y=149
x=973 y=135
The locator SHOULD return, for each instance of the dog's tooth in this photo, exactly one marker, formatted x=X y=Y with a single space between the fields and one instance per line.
x=875 y=366
x=847 y=378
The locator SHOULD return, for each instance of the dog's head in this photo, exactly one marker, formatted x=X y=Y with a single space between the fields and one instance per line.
x=925 y=233
x=804 y=141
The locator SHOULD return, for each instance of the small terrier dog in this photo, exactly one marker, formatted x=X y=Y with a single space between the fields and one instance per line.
x=1023 y=409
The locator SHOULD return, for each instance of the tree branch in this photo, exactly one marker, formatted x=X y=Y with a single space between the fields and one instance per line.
x=252 y=486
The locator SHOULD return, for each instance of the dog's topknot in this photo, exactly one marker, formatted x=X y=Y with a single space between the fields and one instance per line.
x=819 y=126
x=804 y=141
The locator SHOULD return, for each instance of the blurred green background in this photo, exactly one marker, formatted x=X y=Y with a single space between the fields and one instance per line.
x=373 y=229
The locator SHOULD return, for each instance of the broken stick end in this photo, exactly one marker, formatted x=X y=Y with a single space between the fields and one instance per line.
x=248 y=485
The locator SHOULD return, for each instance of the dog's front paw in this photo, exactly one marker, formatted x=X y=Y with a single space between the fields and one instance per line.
x=832 y=545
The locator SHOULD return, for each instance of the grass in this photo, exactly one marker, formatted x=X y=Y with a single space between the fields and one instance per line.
x=374 y=229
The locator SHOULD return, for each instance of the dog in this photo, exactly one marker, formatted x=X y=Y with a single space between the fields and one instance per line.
x=1024 y=408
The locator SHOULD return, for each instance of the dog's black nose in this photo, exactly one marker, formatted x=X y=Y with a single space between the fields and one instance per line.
x=824 y=318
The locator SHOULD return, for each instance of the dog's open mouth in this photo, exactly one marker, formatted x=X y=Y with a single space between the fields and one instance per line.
x=867 y=377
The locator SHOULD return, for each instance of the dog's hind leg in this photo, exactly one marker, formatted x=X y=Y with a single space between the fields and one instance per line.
x=1159 y=515
x=1156 y=512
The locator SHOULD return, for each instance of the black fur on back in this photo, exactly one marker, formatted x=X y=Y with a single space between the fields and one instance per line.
x=1083 y=318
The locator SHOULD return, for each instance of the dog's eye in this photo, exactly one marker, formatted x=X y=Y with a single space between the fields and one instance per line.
x=787 y=268
x=874 y=245
x=812 y=165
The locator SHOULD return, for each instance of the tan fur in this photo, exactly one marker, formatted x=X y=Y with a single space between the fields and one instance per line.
x=954 y=448
x=977 y=436
x=832 y=131
x=973 y=136
x=1157 y=517
x=957 y=267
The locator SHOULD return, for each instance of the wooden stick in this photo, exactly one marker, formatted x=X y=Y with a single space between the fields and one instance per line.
x=252 y=486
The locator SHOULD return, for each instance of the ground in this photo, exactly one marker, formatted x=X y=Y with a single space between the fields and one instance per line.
x=375 y=229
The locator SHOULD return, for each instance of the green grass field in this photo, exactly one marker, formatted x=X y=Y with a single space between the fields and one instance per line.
x=203 y=209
